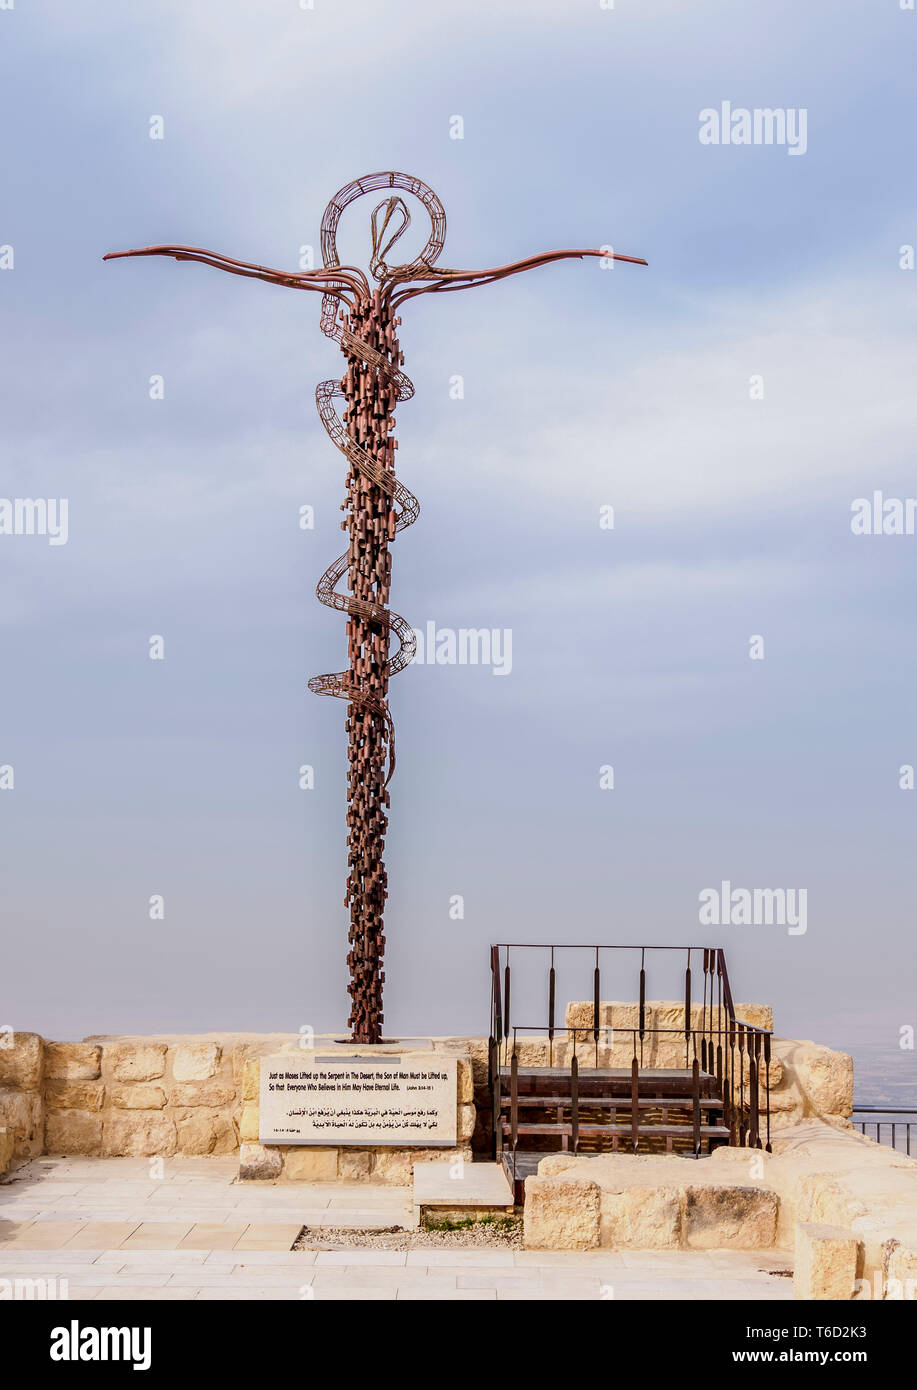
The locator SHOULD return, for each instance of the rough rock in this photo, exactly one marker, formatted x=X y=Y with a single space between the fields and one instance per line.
x=257 y=1163
x=825 y=1078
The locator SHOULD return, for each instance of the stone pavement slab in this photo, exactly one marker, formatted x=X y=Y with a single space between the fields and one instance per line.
x=446 y=1184
x=194 y=1233
x=212 y=1236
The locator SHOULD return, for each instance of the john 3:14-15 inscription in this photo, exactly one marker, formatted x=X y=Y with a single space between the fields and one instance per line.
x=353 y=1100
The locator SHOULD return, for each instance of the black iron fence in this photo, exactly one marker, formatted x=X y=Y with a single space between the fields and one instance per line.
x=888 y=1127
x=720 y=1078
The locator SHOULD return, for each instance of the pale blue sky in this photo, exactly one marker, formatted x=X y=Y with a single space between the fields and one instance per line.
x=582 y=388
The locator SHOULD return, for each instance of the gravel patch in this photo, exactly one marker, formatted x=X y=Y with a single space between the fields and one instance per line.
x=482 y=1235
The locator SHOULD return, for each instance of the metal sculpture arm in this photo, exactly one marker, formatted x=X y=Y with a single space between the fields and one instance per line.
x=442 y=281
x=333 y=280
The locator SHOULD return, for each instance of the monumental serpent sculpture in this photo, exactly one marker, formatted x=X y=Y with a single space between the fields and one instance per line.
x=362 y=318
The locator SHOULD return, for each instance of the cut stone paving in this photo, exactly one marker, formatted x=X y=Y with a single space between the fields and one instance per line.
x=197 y=1233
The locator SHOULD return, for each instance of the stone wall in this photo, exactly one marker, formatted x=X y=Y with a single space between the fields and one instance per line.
x=119 y=1096
x=198 y=1094
x=21 y=1109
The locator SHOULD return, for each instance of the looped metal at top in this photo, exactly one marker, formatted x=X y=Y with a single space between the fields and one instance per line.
x=370 y=183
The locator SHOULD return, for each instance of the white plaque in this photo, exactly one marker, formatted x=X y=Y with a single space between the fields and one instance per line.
x=400 y=1100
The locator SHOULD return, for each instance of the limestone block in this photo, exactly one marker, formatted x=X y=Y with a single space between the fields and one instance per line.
x=754 y=1162
x=257 y=1163
x=251 y=1078
x=533 y=1052
x=553 y=1164
x=902 y=1273
x=612 y=1014
x=136 y=1061
x=825 y=1078
x=240 y=1054
x=478 y=1050
x=670 y=1015
x=825 y=1266
x=310 y=1164
x=204 y=1132
x=6 y=1148
x=825 y=1199
x=138 y=1097
x=730 y=1218
x=249 y=1128
x=466 y=1081
x=73 y=1132
x=22 y=1112
x=355 y=1164
x=788 y=1097
x=210 y=1093
x=618 y=1019
x=196 y=1061
x=396 y=1166
x=139 y=1132
x=74 y=1095
x=777 y=1073
x=20 y=1061
x=758 y=1015
x=641 y=1218
x=467 y=1119
x=560 y=1215
x=72 y=1061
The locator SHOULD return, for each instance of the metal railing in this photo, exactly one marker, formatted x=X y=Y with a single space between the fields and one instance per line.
x=728 y=1059
x=896 y=1130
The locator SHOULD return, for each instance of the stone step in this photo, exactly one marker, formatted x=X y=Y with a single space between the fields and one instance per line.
x=470 y=1188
